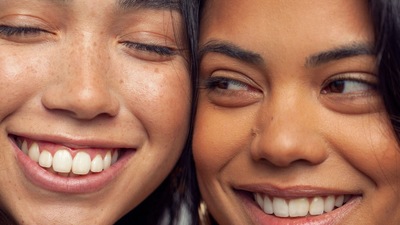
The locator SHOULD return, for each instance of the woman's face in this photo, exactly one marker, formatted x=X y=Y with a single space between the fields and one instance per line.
x=94 y=108
x=290 y=128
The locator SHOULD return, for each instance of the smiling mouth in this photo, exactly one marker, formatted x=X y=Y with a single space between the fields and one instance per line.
x=300 y=207
x=66 y=162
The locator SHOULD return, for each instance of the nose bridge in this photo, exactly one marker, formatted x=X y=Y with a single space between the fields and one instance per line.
x=83 y=87
x=287 y=131
x=86 y=58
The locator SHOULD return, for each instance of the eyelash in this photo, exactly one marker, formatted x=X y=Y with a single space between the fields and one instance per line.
x=213 y=83
x=157 y=49
x=20 y=31
x=349 y=78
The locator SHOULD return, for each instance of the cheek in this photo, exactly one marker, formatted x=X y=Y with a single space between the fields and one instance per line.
x=160 y=97
x=219 y=136
x=372 y=149
x=22 y=76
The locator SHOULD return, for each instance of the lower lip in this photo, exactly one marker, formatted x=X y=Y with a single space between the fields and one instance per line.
x=332 y=218
x=74 y=185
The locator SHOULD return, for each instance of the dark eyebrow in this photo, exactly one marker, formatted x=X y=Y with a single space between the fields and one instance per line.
x=342 y=52
x=127 y=4
x=152 y=4
x=231 y=50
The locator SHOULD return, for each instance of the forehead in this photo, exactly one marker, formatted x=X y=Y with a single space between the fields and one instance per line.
x=283 y=21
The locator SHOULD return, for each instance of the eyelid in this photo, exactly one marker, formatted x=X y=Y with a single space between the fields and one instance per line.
x=149 y=38
x=158 y=49
x=27 y=21
x=362 y=77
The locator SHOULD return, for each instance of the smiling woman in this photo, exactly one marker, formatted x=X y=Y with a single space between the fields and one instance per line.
x=304 y=112
x=87 y=131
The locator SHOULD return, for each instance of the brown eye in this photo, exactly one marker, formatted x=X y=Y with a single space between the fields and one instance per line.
x=226 y=84
x=347 y=87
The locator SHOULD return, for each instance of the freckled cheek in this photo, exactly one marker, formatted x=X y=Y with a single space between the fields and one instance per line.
x=22 y=77
x=161 y=100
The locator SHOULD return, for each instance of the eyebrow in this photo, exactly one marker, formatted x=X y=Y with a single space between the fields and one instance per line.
x=341 y=52
x=232 y=51
x=128 y=4
x=153 y=4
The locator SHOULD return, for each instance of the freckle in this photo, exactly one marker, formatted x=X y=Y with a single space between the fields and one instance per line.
x=156 y=70
x=272 y=118
x=121 y=81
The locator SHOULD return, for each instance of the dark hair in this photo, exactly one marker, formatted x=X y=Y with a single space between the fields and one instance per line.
x=175 y=192
x=386 y=19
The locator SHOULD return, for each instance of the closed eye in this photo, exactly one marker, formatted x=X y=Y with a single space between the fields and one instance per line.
x=157 y=49
x=10 y=31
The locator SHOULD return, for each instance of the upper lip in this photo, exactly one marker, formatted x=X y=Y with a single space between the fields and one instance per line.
x=78 y=141
x=293 y=191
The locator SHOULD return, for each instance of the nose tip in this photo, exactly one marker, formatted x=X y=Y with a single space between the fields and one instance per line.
x=83 y=102
x=284 y=141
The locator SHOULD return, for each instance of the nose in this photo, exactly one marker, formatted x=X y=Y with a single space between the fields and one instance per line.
x=287 y=133
x=81 y=87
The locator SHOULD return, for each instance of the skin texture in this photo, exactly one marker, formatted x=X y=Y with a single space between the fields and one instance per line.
x=280 y=122
x=75 y=81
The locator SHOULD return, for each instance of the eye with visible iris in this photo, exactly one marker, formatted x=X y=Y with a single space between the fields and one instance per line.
x=223 y=83
x=348 y=85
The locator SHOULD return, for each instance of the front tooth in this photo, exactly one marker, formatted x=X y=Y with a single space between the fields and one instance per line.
x=24 y=147
x=34 y=152
x=107 y=160
x=45 y=159
x=62 y=161
x=268 y=208
x=329 y=203
x=339 y=201
x=81 y=163
x=317 y=206
x=97 y=164
x=298 y=207
x=280 y=207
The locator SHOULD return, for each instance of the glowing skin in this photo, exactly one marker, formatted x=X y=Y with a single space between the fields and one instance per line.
x=88 y=77
x=289 y=116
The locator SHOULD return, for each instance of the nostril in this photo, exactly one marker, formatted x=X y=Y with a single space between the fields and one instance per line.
x=81 y=102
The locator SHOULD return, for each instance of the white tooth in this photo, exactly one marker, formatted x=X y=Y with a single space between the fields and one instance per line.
x=45 y=159
x=62 y=161
x=34 y=152
x=81 y=163
x=107 y=160
x=298 y=207
x=97 y=164
x=329 y=203
x=24 y=147
x=259 y=200
x=267 y=207
x=114 y=157
x=339 y=201
x=317 y=206
x=280 y=207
